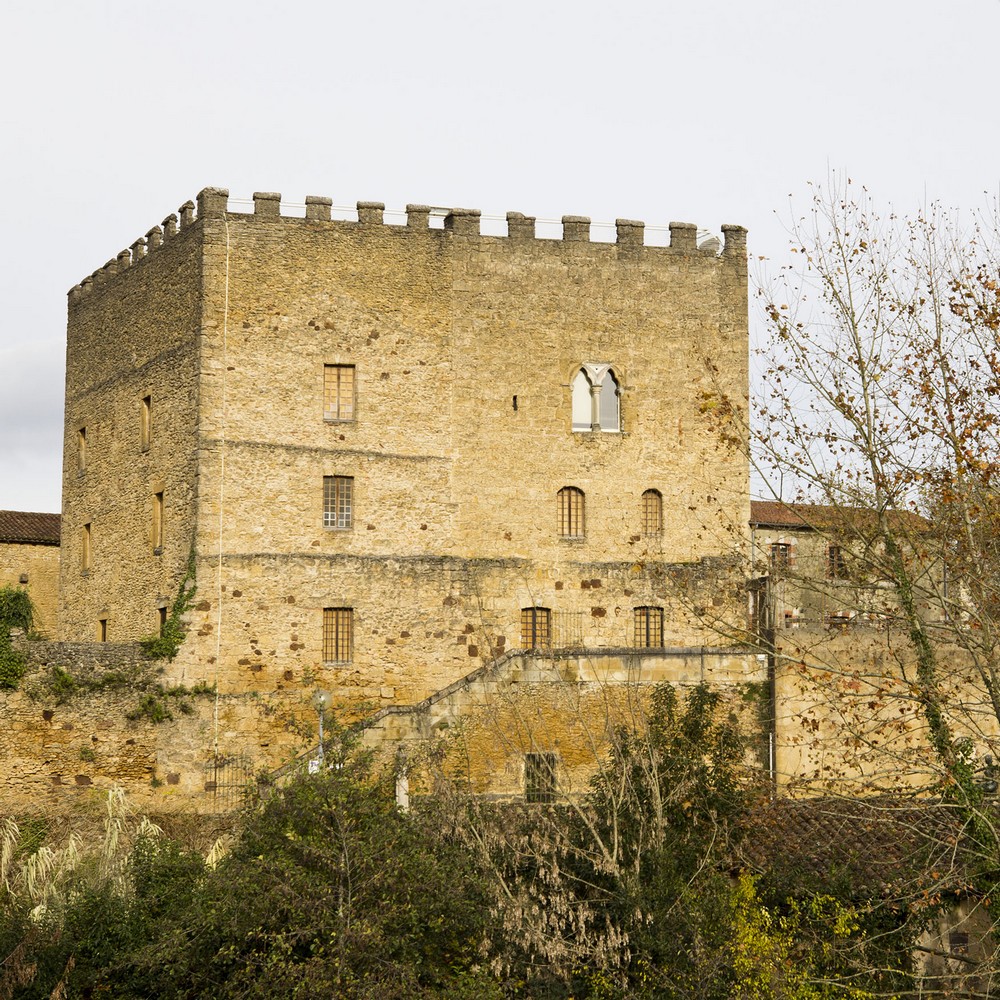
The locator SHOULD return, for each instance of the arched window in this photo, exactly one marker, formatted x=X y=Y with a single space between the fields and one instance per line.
x=595 y=397
x=536 y=628
x=571 y=512
x=652 y=512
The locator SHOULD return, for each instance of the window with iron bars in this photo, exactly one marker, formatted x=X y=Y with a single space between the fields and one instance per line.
x=836 y=568
x=571 y=506
x=338 y=634
x=652 y=512
x=338 y=392
x=338 y=502
x=536 y=628
x=540 y=777
x=647 y=628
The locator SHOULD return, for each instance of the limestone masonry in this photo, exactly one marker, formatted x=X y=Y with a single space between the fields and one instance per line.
x=396 y=455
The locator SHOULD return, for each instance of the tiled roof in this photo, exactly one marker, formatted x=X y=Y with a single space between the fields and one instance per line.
x=876 y=846
x=823 y=517
x=29 y=528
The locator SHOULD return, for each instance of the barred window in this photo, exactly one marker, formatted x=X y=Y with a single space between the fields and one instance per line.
x=647 y=627
x=338 y=392
x=652 y=512
x=835 y=567
x=338 y=634
x=540 y=777
x=338 y=501
x=536 y=628
x=781 y=556
x=571 y=505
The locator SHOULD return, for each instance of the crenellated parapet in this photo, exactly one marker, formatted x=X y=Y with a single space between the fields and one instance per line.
x=214 y=203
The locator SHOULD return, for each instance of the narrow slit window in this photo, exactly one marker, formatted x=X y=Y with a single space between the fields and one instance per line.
x=338 y=502
x=157 y=522
x=81 y=450
x=146 y=422
x=85 y=553
x=338 y=392
x=647 y=626
x=536 y=628
x=338 y=634
x=652 y=512
x=161 y=619
x=571 y=512
x=102 y=630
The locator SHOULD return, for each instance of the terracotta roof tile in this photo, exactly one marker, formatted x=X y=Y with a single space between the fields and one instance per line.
x=823 y=517
x=28 y=528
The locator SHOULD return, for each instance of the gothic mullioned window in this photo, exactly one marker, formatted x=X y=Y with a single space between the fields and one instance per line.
x=595 y=396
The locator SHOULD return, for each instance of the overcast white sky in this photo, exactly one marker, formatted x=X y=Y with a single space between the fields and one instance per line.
x=705 y=111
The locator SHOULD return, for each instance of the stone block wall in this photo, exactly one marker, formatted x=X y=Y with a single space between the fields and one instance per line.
x=36 y=569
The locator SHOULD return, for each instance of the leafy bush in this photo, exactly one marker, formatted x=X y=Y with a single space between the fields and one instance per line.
x=16 y=612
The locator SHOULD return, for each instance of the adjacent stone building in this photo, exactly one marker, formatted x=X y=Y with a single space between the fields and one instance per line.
x=29 y=558
x=392 y=454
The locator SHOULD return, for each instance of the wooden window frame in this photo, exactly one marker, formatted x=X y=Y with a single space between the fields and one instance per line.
x=652 y=513
x=338 y=503
x=339 y=393
x=338 y=635
x=647 y=627
x=572 y=512
x=536 y=628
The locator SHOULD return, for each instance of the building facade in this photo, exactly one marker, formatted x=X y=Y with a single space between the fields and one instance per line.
x=29 y=559
x=393 y=454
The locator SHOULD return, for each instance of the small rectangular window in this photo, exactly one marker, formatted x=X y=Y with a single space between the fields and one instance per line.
x=781 y=557
x=536 y=628
x=85 y=548
x=157 y=523
x=338 y=502
x=338 y=634
x=145 y=422
x=540 y=777
x=81 y=450
x=102 y=630
x=647 y=626
x=338 y=392
x=161 y=619
x=835 y=567
x=571 y=512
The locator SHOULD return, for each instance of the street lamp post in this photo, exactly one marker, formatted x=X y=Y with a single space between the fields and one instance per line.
x=321 y=701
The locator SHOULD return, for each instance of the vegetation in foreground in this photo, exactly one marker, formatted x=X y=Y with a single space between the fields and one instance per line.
x=328 y=890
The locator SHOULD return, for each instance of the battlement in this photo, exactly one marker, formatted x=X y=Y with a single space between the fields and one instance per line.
x=214 y=203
